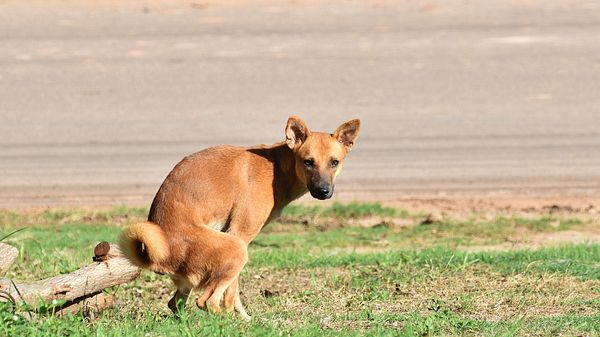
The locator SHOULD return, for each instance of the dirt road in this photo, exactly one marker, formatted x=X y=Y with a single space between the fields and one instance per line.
x=98 y=102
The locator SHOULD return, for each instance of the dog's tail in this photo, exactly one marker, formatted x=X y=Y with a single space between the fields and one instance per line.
x=145 y=245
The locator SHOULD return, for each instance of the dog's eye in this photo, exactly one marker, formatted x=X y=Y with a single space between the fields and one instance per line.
x=335 y=162
x=309 y=162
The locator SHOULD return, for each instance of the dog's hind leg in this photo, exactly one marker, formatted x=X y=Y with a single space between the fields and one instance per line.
x=214 y=301
x=180 y=298
x=208 y=291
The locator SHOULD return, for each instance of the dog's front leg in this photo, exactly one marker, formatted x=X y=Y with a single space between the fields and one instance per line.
x=230 y=294
x=232 y=301
x=246 y=224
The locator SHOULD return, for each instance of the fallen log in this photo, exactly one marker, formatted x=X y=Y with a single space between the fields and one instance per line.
x=8 y=255
x=87 y=306
x=79 y=289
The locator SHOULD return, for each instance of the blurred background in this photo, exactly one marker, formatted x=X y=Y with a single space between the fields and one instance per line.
x=100 y=99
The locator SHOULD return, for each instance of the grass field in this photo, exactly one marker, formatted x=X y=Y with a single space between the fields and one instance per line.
x=341 y=270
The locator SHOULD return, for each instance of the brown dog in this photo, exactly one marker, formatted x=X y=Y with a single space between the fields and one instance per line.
x=236 y=190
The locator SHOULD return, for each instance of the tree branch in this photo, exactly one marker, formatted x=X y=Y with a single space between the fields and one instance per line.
x=8 y=255
x=111 y=269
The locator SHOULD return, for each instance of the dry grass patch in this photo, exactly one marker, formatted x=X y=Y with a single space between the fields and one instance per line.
x=489 y=296
x=340 y=297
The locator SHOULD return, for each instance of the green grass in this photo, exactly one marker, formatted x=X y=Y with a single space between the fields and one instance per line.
x=581 y=260
x=382 y=280
x=343 y=211
x=112 y=215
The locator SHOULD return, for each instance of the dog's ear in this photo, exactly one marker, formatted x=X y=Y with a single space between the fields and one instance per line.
x=347 y=133
x=296 y=132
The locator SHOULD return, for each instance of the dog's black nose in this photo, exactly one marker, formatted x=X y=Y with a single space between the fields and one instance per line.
x=323 y=191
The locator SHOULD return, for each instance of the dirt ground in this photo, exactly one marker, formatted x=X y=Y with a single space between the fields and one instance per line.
x=507 y=204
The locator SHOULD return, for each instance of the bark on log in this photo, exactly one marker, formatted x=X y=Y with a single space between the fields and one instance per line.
x=113 y=269
x=8 y=255
x=88 y=305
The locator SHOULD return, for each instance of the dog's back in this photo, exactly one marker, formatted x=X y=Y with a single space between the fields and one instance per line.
x=205 y=187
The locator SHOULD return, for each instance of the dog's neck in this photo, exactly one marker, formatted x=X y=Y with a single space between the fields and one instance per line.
x=289 y=187
x=285 y=171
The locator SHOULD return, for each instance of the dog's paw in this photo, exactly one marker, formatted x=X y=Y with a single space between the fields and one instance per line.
x=245 y=316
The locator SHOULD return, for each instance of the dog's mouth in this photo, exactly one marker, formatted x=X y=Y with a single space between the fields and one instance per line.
x=321 y=193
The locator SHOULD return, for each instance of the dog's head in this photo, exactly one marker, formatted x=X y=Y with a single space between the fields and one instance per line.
x=319 y=156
